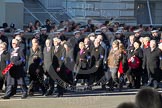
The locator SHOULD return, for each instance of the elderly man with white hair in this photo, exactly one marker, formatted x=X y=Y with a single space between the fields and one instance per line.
x=152 y=63
x=16 y=74
x=57 y=62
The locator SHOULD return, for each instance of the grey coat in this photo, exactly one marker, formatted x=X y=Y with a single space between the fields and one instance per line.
x=47 y=57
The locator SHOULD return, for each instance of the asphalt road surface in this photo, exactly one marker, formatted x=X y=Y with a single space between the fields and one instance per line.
x=96 y=98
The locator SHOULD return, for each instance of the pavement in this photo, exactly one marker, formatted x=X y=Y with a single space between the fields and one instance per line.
x=103 y=101
x=95 y=98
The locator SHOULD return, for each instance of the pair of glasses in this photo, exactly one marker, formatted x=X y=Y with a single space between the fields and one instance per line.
x=13 y=43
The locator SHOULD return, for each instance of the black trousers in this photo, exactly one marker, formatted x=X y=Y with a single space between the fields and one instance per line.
x=50 y=85
x=134 y=76
x=11 y=90
x=36 y=84
x=1 y=82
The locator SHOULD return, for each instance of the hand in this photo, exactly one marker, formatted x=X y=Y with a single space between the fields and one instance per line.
x=97 y=66
x=143 y=67
x=58 y=69
x=37 y=71
x=132 y=59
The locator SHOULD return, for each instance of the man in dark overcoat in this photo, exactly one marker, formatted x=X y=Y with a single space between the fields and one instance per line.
x=16 y=74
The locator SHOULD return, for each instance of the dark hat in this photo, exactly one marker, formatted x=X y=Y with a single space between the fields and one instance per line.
x=5 y=25
x=47 y=20
x=12 y=25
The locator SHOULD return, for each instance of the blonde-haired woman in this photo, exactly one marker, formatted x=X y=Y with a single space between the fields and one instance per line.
x=81 y=63
x=113 y=63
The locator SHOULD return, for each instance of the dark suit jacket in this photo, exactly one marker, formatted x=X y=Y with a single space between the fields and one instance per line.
x=5 y=56
x=57 y=62
x=42 y=40
x=97 y=55
x=69 y=60
x=75 y=43
x=18 y=59
x=38 y=53
x=57 y=57
x=152 y=58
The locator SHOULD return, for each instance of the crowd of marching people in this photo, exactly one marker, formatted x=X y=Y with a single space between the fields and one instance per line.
x=92 y=53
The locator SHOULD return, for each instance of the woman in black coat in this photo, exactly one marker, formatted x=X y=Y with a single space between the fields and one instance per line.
x=135 y=65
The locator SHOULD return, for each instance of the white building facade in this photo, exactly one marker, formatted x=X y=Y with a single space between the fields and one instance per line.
x=125 y=11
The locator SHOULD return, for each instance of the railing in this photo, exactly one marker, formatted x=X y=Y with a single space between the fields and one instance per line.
x=52 y=4
x=52 y=16
x=32 y=15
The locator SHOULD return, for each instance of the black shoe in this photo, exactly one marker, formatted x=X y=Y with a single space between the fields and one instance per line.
x=5 y=97
x=48 y=93
x=111 y=89
x=130 y=86
x=24 y=96
x=89 y=88
x=155 y=84
x=149 y=84
x=31 y=94
x=59 y=95
x=120 y=86
x=82 y=83
x=103 y=87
